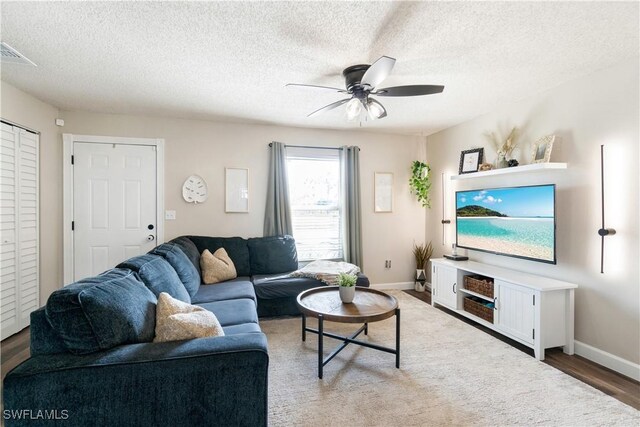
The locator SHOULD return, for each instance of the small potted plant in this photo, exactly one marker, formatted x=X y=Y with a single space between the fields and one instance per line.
x=422 y=254
x=347 y=284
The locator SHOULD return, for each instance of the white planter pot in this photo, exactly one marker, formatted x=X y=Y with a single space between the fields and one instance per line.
x=347 y=294
x=419 y=287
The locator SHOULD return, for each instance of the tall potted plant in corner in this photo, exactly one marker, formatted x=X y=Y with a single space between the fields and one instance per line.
x=422 y=254
x=420 y=182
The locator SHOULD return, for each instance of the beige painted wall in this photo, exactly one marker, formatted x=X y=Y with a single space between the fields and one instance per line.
x=600 y=109
x=23 y=109
x=206 y=148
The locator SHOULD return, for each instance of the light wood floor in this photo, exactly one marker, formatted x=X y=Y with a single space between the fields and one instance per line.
x=15 y=349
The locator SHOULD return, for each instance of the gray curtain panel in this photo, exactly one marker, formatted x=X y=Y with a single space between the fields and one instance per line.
x=350 y=161
x=277 y=216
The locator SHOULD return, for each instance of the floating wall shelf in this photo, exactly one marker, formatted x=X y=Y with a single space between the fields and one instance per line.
x=517 y=169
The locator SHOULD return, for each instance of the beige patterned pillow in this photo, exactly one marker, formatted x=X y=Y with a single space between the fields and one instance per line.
x=217 y=267
x=177 y=320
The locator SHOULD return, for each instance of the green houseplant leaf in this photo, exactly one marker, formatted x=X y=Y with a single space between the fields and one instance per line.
x=420 y=182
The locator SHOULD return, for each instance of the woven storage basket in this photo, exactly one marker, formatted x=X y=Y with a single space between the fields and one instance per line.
x=478 y=309
x=479 y=284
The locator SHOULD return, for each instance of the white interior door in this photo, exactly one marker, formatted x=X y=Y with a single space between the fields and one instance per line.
x=114 y=204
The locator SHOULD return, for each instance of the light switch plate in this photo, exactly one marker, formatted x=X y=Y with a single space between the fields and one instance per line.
x=170 y=215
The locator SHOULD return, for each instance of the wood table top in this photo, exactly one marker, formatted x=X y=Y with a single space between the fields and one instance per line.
x=369 y=305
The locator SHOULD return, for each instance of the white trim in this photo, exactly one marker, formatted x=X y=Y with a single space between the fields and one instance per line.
x=391 y=286
x=67 y=182
x=608 y=360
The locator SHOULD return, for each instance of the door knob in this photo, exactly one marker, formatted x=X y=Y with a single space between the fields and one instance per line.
x=151 y=237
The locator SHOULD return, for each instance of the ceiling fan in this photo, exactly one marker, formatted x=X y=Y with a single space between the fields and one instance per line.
x=361 y=82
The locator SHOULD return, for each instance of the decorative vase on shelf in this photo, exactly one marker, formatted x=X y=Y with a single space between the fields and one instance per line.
x=347 y=293
x=501 y=162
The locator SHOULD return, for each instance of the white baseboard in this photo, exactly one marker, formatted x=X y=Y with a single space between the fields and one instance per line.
x=608 y=360
x=388 y=286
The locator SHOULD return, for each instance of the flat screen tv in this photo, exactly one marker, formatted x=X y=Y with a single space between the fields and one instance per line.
x=512 y=221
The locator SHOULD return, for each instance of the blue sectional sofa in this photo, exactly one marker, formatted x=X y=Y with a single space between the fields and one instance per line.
x=93 y=361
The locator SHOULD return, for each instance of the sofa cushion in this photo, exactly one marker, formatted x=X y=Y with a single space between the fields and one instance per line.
x=242 y=328
x=43 y=338
x=101 y=312
x=233 y=312
x=236 y=247
x=177 y=320
x=240 y=287
x=188 y=274
x=270 y=286
x=158 y=275
x=189 y=249
x=271 y=255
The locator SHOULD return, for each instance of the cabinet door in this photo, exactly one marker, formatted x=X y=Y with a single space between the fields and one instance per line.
x=515 y=310
x=445 y=286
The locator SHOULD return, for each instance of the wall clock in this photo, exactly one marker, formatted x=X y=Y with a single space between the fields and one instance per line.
x=194 y=190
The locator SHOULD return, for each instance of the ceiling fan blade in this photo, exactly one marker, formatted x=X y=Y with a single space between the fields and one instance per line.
x=378 y=71
x=315 y=87
x=414 y=90
x=330 y=106
x=376 y=110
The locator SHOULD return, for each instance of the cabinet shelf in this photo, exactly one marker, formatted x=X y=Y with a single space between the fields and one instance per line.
x=475 y=294
x=518 y=169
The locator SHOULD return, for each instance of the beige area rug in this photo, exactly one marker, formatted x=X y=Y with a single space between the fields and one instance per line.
x=450 y=374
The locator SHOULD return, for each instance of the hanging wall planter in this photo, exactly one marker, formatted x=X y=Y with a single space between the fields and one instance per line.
x=420 y=182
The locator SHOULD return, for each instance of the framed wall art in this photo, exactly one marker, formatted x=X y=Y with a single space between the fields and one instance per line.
x=236 y=190
x=383 y=192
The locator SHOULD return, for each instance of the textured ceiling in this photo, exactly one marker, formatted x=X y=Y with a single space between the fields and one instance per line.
x=230 y=61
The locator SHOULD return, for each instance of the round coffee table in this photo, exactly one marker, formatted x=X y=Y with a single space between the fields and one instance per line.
x=369 y=305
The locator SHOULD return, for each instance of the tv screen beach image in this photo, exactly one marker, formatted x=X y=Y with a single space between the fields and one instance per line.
x=516 y=221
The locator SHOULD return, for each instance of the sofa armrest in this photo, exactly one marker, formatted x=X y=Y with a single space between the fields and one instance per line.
x=206 y=381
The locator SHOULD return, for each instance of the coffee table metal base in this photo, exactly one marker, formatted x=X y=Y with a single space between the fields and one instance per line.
x=347 y=340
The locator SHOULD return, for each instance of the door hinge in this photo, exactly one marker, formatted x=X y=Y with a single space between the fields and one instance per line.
x=73 y=225
x=534 y=300
x=72 y=160
x=533 y=334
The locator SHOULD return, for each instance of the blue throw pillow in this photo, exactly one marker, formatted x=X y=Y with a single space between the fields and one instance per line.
x=158 y=275
x=189 y=276
x=102 y=312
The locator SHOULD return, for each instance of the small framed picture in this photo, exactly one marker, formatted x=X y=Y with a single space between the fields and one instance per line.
x=470 y=160
x=541 y=150
x=383 y=192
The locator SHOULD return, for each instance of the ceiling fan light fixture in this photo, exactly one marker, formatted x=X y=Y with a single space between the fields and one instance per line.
x=354 y=108
x=375 y=109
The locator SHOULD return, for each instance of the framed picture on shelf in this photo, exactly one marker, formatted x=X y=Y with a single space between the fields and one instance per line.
x=470 y=160
x=541 y=150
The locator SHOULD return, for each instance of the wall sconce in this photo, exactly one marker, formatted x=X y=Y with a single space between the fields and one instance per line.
x=603 y=232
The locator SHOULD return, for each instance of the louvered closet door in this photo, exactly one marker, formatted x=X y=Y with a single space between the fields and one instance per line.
x=19 y=277
x=8 y=231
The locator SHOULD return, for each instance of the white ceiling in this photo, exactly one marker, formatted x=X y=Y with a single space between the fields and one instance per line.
x=230 y=61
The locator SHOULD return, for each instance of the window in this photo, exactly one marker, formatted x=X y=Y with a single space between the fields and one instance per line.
x=316 y=202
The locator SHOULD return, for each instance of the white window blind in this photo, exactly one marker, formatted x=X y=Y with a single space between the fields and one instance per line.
x=316 y=202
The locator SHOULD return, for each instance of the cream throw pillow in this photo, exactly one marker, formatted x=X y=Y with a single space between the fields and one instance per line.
x=177 y=320
x=216 y=267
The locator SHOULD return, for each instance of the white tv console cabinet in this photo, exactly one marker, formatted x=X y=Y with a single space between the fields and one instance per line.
x=532 y=310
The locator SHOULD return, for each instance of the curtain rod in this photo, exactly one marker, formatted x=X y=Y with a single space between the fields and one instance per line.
x=309 y=146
